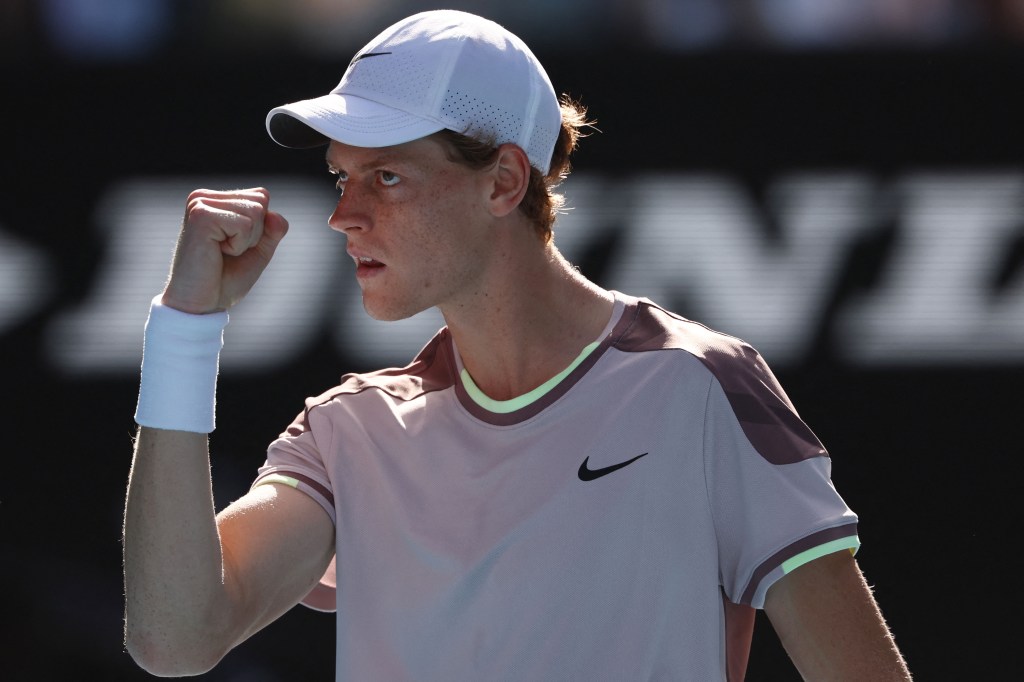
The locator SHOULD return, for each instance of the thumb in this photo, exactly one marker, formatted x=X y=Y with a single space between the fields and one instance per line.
x=241 y=272
x=275 y=227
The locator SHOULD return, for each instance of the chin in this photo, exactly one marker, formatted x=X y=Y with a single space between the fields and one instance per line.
x=389 y=311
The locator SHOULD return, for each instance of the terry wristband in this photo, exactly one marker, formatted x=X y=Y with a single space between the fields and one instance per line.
x=180 y=356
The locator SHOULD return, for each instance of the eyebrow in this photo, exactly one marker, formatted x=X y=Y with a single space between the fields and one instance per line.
x=384 y=159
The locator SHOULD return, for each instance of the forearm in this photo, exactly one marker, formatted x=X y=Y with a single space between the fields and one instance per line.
x=184 y=604
x=175 y=598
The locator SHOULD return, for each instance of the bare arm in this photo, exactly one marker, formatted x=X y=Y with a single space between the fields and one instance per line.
x=196 y=585
x=831 y=626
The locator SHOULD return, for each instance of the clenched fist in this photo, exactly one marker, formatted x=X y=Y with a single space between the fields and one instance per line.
x=226 y=241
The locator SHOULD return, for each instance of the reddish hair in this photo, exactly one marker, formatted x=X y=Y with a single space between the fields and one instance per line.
x=541 y=204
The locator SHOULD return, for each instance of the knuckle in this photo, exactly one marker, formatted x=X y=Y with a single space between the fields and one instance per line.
x=194 y=204
x=200 y=193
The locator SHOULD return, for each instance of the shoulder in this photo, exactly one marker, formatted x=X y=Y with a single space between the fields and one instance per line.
x=647 y=326
x=748 y=387
x=433 y=369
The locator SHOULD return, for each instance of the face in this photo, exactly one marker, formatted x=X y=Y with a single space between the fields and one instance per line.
x=416 y=224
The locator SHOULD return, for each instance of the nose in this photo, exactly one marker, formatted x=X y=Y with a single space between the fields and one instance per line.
x=348 y=216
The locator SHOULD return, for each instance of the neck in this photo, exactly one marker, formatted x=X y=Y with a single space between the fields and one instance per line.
x=530 y=323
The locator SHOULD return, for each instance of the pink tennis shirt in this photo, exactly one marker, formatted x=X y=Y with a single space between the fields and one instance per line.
x=620 y=522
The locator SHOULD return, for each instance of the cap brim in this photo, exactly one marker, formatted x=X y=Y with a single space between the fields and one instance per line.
x=346 y=118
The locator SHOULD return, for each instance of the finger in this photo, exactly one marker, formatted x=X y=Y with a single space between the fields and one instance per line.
x=253 y=202
x=236 y=224
x=259 y=195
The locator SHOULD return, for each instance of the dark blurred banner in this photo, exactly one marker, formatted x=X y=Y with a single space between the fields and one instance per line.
x=856 y=216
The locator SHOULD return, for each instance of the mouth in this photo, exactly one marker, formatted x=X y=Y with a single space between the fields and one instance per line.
x=367 y=267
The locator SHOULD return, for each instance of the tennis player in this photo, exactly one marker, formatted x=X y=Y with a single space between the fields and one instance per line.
x=566 y=483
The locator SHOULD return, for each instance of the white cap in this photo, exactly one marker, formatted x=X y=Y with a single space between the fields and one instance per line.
x=433 y=70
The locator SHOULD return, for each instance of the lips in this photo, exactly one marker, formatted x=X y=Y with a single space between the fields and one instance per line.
x=362 y=259
x=366 y=266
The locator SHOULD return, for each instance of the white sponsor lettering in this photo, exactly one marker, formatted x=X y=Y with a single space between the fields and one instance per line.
x=140 y=220
x=25 y=276
x=698 y=244
x=937 y=303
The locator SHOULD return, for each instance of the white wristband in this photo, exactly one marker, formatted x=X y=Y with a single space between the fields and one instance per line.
x=180 y=355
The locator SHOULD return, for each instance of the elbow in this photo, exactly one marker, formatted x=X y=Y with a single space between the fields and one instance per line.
x=161 y=655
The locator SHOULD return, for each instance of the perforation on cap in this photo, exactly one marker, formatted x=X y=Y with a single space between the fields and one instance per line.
x=445 y=68
x=542 y=143
x=399 y=77
x=477 y=118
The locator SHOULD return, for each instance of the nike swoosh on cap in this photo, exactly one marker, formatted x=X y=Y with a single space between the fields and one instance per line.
x=369 y=54
x=587 y=474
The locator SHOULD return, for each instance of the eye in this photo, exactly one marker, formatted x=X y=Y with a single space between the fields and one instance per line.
x=339 y=184
x=389 y=179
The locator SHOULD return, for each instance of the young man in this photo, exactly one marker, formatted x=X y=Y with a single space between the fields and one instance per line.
x=566 y=483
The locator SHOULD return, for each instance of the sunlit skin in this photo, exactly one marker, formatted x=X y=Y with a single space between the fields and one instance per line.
x=417 y=225
x=426 y=231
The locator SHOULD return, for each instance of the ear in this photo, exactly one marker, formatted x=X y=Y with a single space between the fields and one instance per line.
x=510 y=178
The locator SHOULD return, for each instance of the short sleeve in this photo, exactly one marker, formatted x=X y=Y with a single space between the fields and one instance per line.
x=295 y=459
x=771 y=512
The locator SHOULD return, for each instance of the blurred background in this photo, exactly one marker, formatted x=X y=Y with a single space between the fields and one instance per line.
x=839 y=182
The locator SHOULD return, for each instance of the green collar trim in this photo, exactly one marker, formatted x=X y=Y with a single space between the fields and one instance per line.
x=519 y=402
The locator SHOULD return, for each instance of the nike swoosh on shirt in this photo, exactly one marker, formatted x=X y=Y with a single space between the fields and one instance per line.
x=587 y=474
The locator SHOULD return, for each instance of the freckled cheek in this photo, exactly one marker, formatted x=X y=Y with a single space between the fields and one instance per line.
x=434 y=234
x=437 y=253
x=430 y=261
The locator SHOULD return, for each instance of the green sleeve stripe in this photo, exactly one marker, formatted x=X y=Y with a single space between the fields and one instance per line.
x=279 y=478
x=851 y=543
